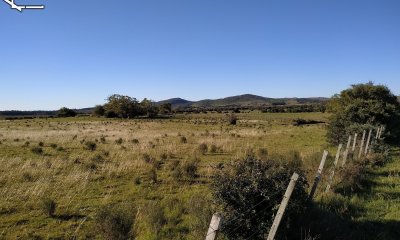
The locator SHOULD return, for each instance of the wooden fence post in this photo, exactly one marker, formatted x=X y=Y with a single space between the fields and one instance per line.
x=283 y=206
x=328 y=187
x=354 y=142
x=380 y=133
x=377 y=133
x=368 y=141
x=361 y=145
x=318 y=176
x=346 y=152
x=215 y=223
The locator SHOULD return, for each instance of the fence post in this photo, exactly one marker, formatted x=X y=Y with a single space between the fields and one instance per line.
x=318 y=176
x=283 y=206
x=346 y=152
x=368 y=141
x=361 y=145
x=377 y=133
x=215 y=223
x=380 y=132
x=354 y=142
x=328 y=187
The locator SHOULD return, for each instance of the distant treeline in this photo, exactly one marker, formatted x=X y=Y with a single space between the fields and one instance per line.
x=27 y=113
x=320 y=107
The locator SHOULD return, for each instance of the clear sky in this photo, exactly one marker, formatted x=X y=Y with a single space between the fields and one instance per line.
x=76 y=53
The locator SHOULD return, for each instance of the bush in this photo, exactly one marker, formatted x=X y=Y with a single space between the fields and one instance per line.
x=89 y=145
x=213 y=148
x=232 y=119
x=203 y=148
x=66 y=112
x=37 y=150
x=190 y=168
x=115 y=222
x=49 y=206
x=364 y=104
x=254 y=188
x=99 y=110
x=183 y=139
x=119 y=141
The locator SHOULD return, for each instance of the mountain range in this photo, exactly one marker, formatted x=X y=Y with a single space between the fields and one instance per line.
x=242 y=101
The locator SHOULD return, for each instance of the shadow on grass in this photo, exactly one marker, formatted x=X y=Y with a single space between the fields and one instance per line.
x=68 y=217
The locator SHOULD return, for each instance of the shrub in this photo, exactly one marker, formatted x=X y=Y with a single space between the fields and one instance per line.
x=154 y=216
x=232 y=119
x=252 y=184
x=147 y=158
x=89 y=145
x=37 y=150
x=115 y=222
x=66 y=112
x=119 y=141
x=190 y=168
x=53 y=145
x=99 y=110
x=203 y=148
x=213 y=148
x=49 y=206
x=364 y=104
x=183 y=139
x=40 y=144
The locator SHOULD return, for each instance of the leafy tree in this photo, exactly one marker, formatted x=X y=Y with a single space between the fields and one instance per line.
x=99 y=110
x=66 y=112
x=165 y=108
x=148 y=108
x=122 y=106
x=249 y=191
x=362 y=106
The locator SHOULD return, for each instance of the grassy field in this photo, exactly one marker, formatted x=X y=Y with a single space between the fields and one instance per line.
x=84 y=164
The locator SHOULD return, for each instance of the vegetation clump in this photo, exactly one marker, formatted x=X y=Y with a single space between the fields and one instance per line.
x=362 y=104
x=115 y=222
x=66 y=112
x=250 y=183
x=49 y=206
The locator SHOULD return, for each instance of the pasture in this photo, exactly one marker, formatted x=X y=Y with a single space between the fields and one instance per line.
x=159 y=168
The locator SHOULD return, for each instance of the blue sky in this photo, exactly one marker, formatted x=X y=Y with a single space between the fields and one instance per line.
x=75 y=55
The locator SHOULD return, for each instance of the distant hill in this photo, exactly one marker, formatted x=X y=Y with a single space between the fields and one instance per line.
x=176 y=102
x=245 y=100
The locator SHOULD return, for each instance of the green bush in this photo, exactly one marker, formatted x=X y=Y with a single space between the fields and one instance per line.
x=248 y=192
x=66 y=112
x=363 y=104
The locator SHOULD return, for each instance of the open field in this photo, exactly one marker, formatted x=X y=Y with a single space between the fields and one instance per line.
x=84 y=164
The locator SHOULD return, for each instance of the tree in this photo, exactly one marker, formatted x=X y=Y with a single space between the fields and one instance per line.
x=66 y=112
x=99 y=110
x=249 y=191
x=165 y=108
x=148 y=108
x=122 y=106
x=361 y=106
